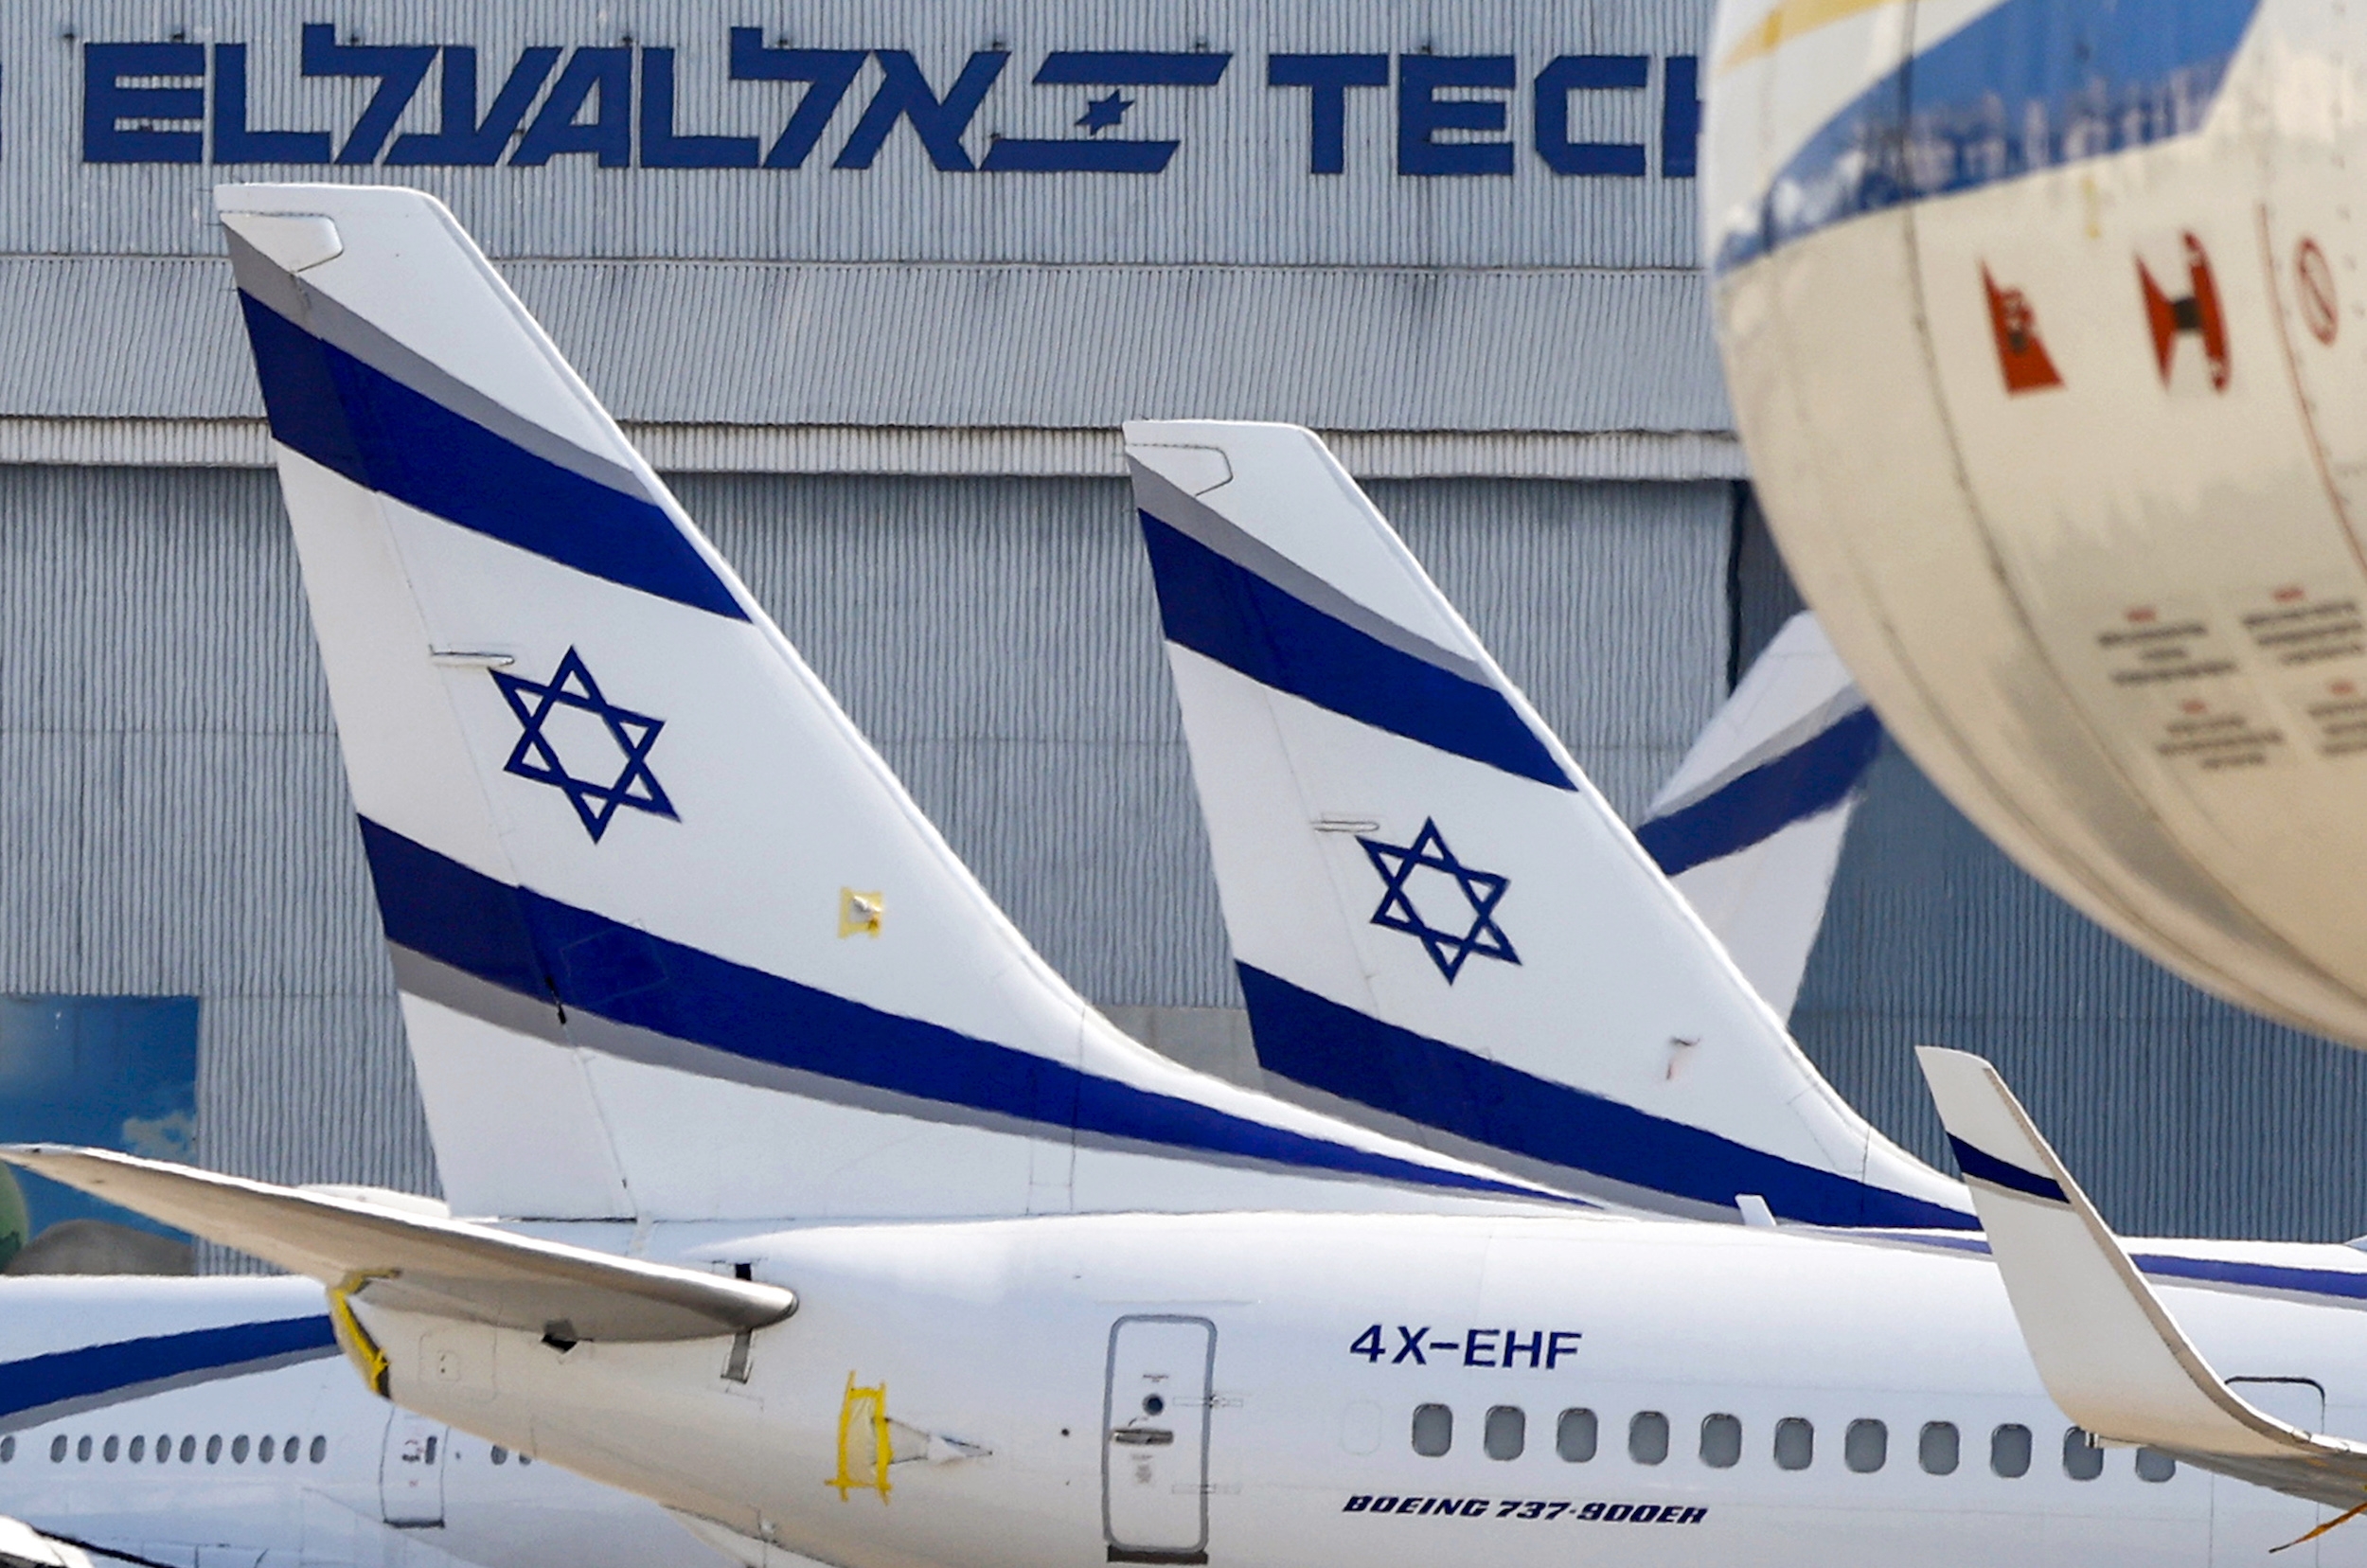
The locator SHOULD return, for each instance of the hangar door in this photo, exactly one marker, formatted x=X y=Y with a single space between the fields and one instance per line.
x=1154 y=1438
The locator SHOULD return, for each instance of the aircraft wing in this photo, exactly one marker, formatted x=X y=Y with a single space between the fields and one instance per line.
x=2106 y=1347
x=416 y=1262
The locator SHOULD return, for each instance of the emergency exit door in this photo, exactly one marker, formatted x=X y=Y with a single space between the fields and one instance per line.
x=411 y=1471
x=1154 y=1438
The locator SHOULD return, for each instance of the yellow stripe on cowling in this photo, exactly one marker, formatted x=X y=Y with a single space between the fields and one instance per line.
x=1792 y=19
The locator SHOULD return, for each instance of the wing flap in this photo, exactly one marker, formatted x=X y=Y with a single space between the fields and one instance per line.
x=418 y=1262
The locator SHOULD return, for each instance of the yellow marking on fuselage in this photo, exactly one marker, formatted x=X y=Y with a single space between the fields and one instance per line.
x=1792 y=19
x=862 y=1408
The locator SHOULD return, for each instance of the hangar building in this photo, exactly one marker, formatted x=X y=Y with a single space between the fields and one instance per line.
x=874 y=285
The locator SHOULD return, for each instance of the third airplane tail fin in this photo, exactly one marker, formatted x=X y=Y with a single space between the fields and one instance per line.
x=1440 y=927
x=1750 y=827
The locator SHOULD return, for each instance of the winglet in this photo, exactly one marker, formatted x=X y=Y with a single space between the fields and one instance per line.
x=2106 y=1347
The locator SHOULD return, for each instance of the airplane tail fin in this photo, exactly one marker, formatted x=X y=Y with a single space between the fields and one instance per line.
x=1441 y=928
x=2105 y=1345
x=1751 y=824
x=672 y=941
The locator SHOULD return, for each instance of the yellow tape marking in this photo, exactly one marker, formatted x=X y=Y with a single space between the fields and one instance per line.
x=865 y=1408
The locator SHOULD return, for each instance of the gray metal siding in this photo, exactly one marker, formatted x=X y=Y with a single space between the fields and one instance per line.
x=1032 y=348
x=177 y=821
x=2181 y=1115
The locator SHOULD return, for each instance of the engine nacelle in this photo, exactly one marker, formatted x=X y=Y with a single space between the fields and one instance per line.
x=2046 y=330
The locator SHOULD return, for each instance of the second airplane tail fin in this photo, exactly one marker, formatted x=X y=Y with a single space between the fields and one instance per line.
x=1441 y=928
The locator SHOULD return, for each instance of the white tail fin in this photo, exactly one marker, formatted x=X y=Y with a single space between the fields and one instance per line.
x=672 y=941
x=1441 y=928
x=1750 y=827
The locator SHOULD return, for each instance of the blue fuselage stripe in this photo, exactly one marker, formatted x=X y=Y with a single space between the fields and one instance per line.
x=92 y=1370
x=1981 y=1166
x=2034 y=84
x=1227 y=613
x=536 y=946
x=1340 y=1051
x=353 y=418
x=1806 y=781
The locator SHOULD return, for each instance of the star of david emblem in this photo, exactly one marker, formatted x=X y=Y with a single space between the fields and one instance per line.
x=1103 y=113
x=606 y=765
x=1464 y=900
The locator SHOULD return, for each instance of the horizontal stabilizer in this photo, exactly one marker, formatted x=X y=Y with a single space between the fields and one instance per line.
x=2106 y=1347
x=415 y=1262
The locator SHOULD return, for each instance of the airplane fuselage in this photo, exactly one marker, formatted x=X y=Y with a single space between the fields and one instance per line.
x=1307 y=1390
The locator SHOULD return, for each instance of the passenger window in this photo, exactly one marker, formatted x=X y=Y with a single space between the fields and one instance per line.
x=2153 y=1465
x=57 y=1449
x=238 y=1450
x=319 y=1449
x=1647 y=1437
x=7 y=1449
x=188 y=1450
x=288 y=1451
x=2082 y=1459
x=213 y=1449
x=1722 y=1441
x=1796 y=1443
x=81 y=1450
x=1574 y=1437
x=263 y=1451
x=113 y=1447
x=501 y=1454
x=1434 y=1429
x=2009 y=1450
x=1505 y=1434
x=1866 y=1446
x=138 y=1450
x=1936 y=1448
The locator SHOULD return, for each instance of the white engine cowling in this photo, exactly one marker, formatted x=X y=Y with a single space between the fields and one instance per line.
x=2046 y=330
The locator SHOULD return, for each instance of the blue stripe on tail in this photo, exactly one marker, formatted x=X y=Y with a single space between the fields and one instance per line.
x=1340 y=1051
x=1217 y=608
x=349 y=416
x=536 y=946
x=1806 y=781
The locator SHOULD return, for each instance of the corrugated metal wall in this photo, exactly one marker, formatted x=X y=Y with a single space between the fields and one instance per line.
x=2181 y=1115
x=177 y=821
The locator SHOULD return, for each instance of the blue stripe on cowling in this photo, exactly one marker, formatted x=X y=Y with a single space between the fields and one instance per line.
x=1981 y=1164
x=1230 y=613
x=126 y=1365
x=1340 y=1051
x=1809 y=779
x=349 y=416
x=2034 y=84
x=522 y=942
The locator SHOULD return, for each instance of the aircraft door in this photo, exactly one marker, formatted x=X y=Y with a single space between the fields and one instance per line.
x=2247 y=1521
x=1154 y=1438
x=411 y=1471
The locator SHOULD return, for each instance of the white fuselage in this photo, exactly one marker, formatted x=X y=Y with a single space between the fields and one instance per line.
x=367 y=1484
x=1007 y=1367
